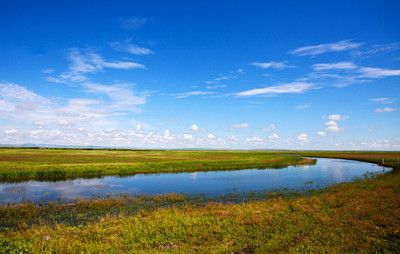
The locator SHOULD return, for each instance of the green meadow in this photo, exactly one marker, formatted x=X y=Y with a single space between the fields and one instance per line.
x=358 y=217
x=56 y=164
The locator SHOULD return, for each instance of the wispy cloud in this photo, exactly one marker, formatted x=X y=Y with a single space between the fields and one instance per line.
x=217 y=80
x=347 y=73
x=131 y=48
x=335 y=66
x=13 y=92
x=132 y=23
x=385 y=110
x=85 y=62
x=241 y=126
x=325 y=48
x=376 y=49
x=382 y=100
x=20 y=105
x=290 y=88
x=192 y=93
x=370 y=72
x=48 y=70
x=122 y=98
x=272 y=65
x=303 y=106
x=215 y=86
x=271 y=127
x=123 y=65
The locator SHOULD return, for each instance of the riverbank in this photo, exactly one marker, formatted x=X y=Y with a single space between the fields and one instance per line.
x=361 y=216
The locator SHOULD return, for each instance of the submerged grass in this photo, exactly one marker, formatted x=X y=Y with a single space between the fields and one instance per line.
x=362 y=216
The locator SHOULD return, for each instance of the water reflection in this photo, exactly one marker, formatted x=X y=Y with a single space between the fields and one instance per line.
x=326 y=172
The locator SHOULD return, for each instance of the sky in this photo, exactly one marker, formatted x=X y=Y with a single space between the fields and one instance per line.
x=201 y=74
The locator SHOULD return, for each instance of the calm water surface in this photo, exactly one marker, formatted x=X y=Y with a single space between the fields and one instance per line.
x=213 y=183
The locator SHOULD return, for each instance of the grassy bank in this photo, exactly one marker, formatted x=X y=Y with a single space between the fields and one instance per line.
x=56 y=164
x=362 y=217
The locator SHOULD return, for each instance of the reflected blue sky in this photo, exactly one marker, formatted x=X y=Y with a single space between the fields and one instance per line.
x=326 y=172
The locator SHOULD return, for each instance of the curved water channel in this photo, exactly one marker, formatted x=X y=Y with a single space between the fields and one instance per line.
x=324 y=173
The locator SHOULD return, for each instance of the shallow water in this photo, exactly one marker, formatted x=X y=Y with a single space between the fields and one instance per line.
x=213 y=183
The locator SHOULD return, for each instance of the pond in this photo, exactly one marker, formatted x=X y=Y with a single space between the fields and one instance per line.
x=324 y=173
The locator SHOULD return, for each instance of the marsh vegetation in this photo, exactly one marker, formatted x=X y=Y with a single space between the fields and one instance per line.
x=361 y=216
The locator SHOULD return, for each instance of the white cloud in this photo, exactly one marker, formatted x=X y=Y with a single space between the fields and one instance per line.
x=377 y=49
x=385 y=110
x=339 y=79
x=194 y=127
x=188 y=136
x=337 y=117
x=82 y=63
x=131 y=48
x=332 y=126
x=335 y=66
x=192 y=93
x=303 y=106
x=303 y=138
x=18 y=96
x=122 y=98
x=322 y=133
x=242 y=126
x=217 y=80
x=215 y=87
x=290 y=88
x=167 y=134
x=22 y=107
x=370 y=72
x=221 y=78
x=211 y=136
x=271 y=127
x=255 y=139
x=381 y=145
x=10 y=131
x=382 y=100
x=273 y=137
x=325 y=48
x=48 y=70
x=347 y=73
x=123 y=65
x=273 y=65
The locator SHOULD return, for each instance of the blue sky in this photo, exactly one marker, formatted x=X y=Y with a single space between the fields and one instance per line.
x=209 y=74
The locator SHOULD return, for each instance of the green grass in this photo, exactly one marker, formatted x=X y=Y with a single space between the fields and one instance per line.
x=358 y=217
x=56 y=164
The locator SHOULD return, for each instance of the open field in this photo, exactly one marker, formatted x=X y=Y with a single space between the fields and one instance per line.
x=54 y=164
x=363 y=216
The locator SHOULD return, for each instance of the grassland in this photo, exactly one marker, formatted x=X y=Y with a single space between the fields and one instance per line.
x=362 y=217
x=55 y=164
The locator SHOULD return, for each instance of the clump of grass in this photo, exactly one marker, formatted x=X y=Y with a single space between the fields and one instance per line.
x=20 y=247
x=50 y=174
